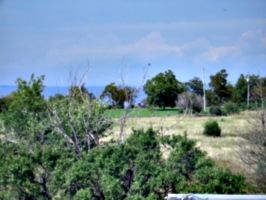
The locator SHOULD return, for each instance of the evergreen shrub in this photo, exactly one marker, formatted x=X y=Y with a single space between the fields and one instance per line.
x=212 y=128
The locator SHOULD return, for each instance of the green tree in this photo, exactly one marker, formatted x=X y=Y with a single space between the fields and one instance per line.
x=80 y=92
x=24 y=173
x=195 y=85
x=211 y=98
x=26 y=107
x=41 y=136
x=5 y=101
x=219 y=85
x=119 y=95
x=240 y=92
x=163 y=89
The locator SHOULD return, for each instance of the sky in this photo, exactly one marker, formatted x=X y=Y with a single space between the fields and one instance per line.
x=116 y=40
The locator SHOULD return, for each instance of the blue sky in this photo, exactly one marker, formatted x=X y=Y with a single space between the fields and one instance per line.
x=58 y=37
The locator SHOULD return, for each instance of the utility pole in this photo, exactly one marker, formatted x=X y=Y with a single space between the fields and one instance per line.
x=204 y=94
x=248 y=78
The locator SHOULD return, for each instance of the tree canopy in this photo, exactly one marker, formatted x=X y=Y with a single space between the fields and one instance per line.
x=195 y=85
x=219 y=85
x=119 y=95
x=38 y=135
x=163 y=89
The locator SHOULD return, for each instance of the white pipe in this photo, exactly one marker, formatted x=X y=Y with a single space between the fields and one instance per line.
x=204 y=94
x=214 y=197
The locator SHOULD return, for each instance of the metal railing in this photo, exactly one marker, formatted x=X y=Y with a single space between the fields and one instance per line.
x=214 y=197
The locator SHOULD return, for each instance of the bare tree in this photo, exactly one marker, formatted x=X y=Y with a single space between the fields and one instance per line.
x=78 y=118
x=190 y=101
x=254 y=154
x=130 y=94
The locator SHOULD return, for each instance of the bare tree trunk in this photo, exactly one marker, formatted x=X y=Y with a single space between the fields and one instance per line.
x=129 y=99
x=253 y=154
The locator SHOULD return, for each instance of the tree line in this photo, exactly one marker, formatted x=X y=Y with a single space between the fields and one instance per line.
x=164 y=90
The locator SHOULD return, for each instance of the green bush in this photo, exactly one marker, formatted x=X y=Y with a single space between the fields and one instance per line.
x=220 y=180
x=215 y=110
x=212 y=128
x=230 y=107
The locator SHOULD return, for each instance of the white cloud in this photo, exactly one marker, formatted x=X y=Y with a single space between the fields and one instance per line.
x=252 y=43
x=196 y=45
x=150 y=46
x=154 y=46
x=213 y=54
x=106 y=46
x=250 y=34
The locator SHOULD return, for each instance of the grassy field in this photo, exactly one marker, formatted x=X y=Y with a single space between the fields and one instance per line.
x=223 y=150
x=144 y=112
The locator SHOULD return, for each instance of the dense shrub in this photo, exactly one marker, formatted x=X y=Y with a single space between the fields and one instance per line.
x=230 y=107
x=215 y=110
x=212 y=128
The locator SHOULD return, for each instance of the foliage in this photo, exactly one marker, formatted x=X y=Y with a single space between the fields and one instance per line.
x=80 y=92
x=219 y=85
x=51 y=149
x=240 y=92
x=215 y=110
x=195 y=85
x=212 y=128
x=26 y=111
x=41 y=136
x=133 y=169
x=5 y=101
x=241 y=88
x=136 y=170
x=82 y=123
x=230 y=107
x=119 y=95
x=163 y=89
x=258 y=91
x=211 y=98
x=219 y=181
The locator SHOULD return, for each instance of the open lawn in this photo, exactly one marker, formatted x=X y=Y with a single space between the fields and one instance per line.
x=221 y=149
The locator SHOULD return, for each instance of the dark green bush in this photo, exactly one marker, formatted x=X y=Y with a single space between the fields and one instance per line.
x=220 y=180
x=230 y=107
x=212 y=128
x=215 y=110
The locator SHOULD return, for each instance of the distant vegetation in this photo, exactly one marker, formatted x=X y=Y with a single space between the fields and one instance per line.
x=64 y=147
